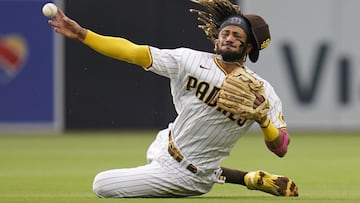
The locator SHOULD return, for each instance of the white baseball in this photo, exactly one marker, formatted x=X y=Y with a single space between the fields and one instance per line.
x=49 y=10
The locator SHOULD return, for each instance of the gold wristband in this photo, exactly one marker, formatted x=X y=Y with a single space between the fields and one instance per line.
x=270 y=132
x=266 y=123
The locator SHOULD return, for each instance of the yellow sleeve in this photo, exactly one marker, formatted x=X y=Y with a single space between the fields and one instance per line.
x=270 y=132
x=119 y=48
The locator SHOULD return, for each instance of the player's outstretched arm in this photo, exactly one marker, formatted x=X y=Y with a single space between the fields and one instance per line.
x=114 y=47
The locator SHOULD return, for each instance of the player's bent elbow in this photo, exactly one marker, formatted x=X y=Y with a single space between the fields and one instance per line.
x=280 y=144
x=281 y=154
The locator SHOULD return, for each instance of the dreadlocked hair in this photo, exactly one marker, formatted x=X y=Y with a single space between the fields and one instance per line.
x=216 y=12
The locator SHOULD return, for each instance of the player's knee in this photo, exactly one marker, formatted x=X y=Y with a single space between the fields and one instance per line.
x=105 y=187
x=98 y=188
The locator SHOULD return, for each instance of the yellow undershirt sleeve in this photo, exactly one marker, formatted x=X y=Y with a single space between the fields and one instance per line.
x=119 y=48
x=270 y=132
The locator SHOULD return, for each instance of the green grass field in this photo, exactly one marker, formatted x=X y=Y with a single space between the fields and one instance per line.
x=60 y=168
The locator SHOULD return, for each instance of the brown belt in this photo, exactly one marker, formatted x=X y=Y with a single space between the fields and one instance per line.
x=175 y=153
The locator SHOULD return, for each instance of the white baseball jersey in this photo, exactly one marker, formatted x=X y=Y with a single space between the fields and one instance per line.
x=203 y=133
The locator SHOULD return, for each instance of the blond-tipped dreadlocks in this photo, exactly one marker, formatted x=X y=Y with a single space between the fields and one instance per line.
x=217 y=12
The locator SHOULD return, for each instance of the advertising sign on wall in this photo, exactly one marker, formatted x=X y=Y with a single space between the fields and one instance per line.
x=29 y=78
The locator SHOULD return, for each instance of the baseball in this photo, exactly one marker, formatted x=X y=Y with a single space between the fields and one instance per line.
x=49 y=10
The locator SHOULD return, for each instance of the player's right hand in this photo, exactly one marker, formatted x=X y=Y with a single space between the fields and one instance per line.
x=67 y=27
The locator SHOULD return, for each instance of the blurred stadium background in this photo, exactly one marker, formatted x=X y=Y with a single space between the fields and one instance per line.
x=51 y=83
x=54 y=86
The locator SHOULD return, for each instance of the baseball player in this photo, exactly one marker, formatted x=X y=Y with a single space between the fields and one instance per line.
x=213 y=108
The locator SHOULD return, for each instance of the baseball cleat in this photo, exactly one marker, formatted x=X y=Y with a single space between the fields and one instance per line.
x=269 y=183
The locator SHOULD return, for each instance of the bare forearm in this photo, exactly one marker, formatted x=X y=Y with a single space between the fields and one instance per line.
x=82 y=34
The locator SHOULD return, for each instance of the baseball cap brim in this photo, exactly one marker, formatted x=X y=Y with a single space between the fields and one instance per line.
x=261 y=34
x=254 y=55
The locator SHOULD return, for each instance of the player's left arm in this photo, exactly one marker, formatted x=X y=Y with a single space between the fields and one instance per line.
x=273 y=125
x=276 y=139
